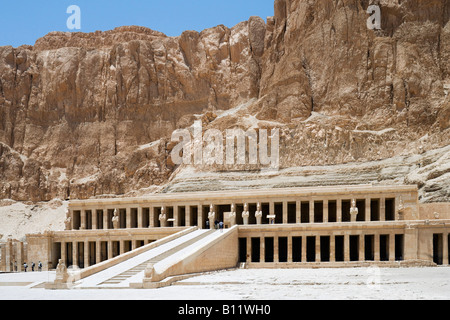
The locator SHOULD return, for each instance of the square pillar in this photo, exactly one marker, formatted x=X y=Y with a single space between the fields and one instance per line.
x=298 y=210
x=392 y=247
x=383 y=209
x=332 y=248
x=105 y=219
x=262 y=250
x=362 y=246
x=368 y=209
x=75 y=253
x=83 y=219
x=110 y=249
x=200 y=217
x=8 y=256
x=64 y=252
x=140 y=217
x=275 y=250
x=152 y=217
x=346 y=247
x=98 y=251
x=318 y=248
x=304 y=238
x=339 y=210
x=445 y=247
x=122 y=247
x=86 y=254
x=285 y=212
x=311 y=210
x=176 y=221
x=376 y=247
x=271 y=208
x=249 y=249
x=325 y=211
x=187 y=215
x=128 y=214
x=94 y=219
x=289 y=248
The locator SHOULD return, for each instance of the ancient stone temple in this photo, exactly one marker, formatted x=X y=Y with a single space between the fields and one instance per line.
x=341 y=226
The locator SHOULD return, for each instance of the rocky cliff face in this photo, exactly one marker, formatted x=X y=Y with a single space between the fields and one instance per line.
x=85 y=115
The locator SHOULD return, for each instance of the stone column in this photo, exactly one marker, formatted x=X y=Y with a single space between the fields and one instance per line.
x=188 y=216
x=8 y=257
x=368 y=210
x=276 y=253
x=105 y=219
x=311 y=210
x=64 y=252
x=304 y=240
x=271 y=208
x=98 y=251
x=376 y=245
x=262 y=249
x=318 y=249
x=339 y=210
x=140 y=217
x=122 y=247
x=285 y=212
x=19 y=255
x=151 y=213
x=200 y=216
x=392 y=247
x=445 y=247
x=346 y=247
x=383 y=209
x=289 y=248
x=86 y=253
x=298 y=214
x=176 y=221
x=128 y=217
x=249 y=249
x=110 y=249
x=332 y=248
x=3 y=254
x=83 y=219
x=75 y=253
x=94 y=219
x=362 y=246
x=325 y=211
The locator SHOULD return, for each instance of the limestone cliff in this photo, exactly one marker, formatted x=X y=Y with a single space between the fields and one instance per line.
x=85 y=115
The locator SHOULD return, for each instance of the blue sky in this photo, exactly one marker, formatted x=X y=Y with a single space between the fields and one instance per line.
x=25 y=21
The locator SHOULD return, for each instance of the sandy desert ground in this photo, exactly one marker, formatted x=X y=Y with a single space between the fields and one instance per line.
x=259 y=284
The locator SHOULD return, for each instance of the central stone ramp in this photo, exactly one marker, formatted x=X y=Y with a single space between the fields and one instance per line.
x=119 y=275
x=141 y=267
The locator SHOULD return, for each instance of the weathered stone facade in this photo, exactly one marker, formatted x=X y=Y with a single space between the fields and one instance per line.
x=294 y=227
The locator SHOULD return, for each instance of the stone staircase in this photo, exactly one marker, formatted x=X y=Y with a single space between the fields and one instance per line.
x=141 y=267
